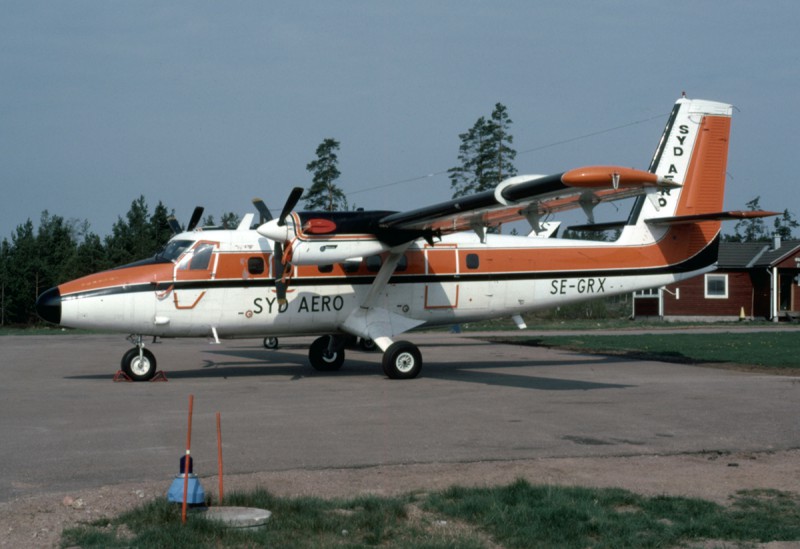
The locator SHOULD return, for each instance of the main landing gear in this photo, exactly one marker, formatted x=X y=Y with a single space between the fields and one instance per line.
x=401 y=360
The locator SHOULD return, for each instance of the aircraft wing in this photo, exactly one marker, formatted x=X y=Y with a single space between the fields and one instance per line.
x=529 y=197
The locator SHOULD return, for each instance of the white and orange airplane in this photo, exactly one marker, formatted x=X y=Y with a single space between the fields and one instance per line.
x=378 y=274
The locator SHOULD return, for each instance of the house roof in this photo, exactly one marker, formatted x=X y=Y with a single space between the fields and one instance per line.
x=746 y=255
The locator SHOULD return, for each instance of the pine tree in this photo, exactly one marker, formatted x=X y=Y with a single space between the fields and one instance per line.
x=752 y=229
x=785 y=224
x=324 y=194
x=22 y=275
x=230 y=220
x=5 y=253
x=486 y=156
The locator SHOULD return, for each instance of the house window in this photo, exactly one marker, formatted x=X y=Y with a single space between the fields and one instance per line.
x=716 y=286
x=650 y=292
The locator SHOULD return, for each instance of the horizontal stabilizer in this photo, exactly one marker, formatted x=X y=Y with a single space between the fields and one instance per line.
x=736 y=215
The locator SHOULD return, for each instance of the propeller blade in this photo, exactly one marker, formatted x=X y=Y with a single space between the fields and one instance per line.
x=263 y=211
x=291 y=202
x=174 y=226
x=196 y=215
x=278 y=269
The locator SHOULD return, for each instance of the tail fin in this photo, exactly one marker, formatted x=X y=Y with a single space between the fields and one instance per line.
x=693 y=151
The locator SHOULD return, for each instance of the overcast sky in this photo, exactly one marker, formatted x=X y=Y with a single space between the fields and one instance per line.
x=214 y=103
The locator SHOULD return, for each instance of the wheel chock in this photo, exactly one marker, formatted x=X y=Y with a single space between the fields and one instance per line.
x=121 y=376
x=160 y=376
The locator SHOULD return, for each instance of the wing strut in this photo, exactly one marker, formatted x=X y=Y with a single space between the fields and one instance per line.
x=378 y=323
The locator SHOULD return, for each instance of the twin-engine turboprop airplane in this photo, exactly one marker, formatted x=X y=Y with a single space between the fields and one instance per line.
x=378 y=274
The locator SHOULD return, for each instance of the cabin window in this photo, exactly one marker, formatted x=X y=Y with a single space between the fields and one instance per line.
x=202 y=257
x=374 y=263
x=473 y=261
x=716 y=286
x=351 y=266
x=325 y=268
x=255 y=265
x=402 y=265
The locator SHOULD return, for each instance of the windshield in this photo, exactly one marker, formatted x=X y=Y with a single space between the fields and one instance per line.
x=173 y=249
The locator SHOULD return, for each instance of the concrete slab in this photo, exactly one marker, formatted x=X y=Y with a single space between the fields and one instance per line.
x=65 y=425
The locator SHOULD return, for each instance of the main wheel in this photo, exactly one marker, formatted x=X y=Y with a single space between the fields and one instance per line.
x=402 y=360
x=367 y=345
x=323 y=359
x=271 y=342
x=139 y=368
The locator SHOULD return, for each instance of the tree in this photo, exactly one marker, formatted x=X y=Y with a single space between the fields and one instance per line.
x=752 y=229
x=139 y=235
x=324 y=194
x=159 y=223
x=230 y=220
x=486 y=155
x=784 y=225
x=5 y=252
x=22 y=277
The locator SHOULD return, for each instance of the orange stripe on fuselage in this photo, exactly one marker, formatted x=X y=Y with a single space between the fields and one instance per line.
x=127 y=276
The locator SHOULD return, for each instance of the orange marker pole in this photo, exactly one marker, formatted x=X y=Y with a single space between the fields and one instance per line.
x=186 y=462
x=219 y=455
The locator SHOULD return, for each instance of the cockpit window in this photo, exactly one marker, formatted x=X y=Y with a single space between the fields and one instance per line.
x=202 y=257
x=173 y=249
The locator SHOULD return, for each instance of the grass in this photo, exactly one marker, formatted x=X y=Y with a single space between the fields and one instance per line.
x=514 y=516
x=769 y=350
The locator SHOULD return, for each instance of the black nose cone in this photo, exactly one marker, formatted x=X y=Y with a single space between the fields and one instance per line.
x=48 y=306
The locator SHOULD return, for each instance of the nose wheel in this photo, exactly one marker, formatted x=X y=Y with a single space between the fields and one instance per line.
x=139 y=364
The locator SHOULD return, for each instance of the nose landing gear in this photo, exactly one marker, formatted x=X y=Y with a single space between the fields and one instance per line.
x=139 y=364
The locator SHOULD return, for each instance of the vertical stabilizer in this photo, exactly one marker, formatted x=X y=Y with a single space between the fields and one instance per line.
x=693 y=151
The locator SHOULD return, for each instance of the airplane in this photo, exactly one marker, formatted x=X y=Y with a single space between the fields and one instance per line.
x=378 y=274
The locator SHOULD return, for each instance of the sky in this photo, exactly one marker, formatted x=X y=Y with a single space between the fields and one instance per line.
x=214 y=103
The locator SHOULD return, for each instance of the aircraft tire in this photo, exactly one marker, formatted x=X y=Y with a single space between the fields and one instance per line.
x=270 y=342
x=402 y=360
x=139 y=370
x=323 y=361
x=367 y=345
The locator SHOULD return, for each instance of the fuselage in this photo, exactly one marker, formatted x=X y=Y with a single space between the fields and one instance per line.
x=224 y=280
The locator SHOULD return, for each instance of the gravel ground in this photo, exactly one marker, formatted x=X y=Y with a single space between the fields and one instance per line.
x=38 y=521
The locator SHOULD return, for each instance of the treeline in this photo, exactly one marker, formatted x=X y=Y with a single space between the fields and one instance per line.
x=58 y=250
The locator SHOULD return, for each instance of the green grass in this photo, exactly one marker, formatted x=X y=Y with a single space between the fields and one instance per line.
x=517 y=515
x=772 y=350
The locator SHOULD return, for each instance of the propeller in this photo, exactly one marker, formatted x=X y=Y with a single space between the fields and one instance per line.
x=263 y=211
x=196 y=215
x=175 y=227
x=278 y=231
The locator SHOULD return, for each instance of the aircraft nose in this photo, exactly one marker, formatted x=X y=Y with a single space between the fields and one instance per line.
x=48 y=306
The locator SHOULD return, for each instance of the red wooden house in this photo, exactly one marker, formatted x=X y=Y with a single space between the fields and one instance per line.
x=754 y=279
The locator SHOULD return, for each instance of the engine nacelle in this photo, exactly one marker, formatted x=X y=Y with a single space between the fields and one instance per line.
x=327 y=252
